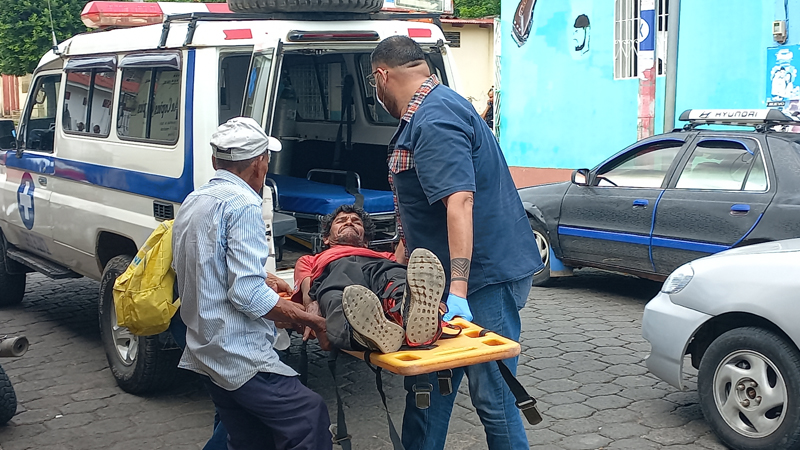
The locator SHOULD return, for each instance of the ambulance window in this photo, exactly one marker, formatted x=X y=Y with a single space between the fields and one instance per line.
x=317 y=84
x=87 y=102
x=232 y=81
x=40 y=121
x=148 y=104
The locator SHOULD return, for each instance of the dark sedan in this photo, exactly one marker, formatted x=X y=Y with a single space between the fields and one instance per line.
x=673 y=198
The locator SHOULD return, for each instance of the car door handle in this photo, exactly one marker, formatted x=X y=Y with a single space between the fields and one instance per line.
x=640 y=203
x=42 y=181
x=740 y=210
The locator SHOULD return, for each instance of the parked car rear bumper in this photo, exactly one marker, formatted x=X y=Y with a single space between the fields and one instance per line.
x=669 y=329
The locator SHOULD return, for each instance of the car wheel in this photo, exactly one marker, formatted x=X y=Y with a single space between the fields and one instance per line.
x=12 y=286
x=542 y=277
x=138 y=363
x=749 y=386
x=8 y=400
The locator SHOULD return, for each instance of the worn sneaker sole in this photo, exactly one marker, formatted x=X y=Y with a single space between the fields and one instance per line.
x=364 y=313
x=425 y=280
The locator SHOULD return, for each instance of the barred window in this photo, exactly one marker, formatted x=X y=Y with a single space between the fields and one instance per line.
x=626 y=37
x=454 y=38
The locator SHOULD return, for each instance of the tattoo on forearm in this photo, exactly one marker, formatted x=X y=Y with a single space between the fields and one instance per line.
x=459 y=269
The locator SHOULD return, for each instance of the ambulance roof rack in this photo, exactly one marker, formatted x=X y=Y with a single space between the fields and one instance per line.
x=194 y=17
x=761 y=119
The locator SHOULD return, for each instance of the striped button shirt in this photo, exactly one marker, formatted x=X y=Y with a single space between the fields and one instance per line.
x=219 y=251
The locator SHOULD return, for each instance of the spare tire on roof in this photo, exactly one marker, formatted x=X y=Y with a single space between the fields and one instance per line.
x=300 y=6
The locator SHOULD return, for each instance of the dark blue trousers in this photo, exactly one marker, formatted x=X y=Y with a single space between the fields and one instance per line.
x=273 y=412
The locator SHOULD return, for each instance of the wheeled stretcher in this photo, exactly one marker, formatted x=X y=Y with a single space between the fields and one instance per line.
x=309 y=201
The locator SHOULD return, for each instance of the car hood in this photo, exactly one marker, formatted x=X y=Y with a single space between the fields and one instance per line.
x=788 y=245
x=528 y=194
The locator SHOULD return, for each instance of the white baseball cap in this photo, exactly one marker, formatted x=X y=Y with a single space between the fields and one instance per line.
x=242 y=138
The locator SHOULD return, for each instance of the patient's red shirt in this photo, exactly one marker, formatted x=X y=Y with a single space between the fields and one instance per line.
x=313 y=265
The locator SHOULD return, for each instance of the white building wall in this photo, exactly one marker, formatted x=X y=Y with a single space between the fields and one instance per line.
x=475 y=62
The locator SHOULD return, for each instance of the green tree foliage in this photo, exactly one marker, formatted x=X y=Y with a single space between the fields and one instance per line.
x=25 y=31
x=468 y=9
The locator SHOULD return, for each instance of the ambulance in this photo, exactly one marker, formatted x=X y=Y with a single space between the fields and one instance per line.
x=115 y=133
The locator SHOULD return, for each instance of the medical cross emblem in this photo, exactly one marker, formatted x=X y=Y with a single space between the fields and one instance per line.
x=25 y=200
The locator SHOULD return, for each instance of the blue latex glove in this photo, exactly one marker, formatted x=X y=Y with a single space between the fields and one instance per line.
x=457 y=306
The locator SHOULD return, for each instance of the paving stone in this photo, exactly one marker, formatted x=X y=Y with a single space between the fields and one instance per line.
x=570 y=411
x=603 y=402
x=617 y=431
x=584 y=442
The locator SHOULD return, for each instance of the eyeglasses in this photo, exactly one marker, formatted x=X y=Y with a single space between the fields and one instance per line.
x=371 y=78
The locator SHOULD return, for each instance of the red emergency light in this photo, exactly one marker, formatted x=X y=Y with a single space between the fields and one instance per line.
x=103 y=14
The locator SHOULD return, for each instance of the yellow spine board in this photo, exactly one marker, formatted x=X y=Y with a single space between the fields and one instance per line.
x=468 y=349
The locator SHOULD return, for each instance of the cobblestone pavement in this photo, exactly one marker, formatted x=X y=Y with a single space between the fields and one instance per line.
x=582 y=359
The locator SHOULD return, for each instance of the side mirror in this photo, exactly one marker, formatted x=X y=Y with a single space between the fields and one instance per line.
x=580 y=177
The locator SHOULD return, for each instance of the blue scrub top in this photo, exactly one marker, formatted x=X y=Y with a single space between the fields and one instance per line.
x=453 y=150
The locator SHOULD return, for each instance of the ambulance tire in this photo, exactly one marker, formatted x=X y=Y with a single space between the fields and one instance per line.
x=139 y=363
x=8 y=400
x=12 y=285
x=305 y=6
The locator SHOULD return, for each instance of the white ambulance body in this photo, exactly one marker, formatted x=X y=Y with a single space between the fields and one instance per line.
x=115 y=134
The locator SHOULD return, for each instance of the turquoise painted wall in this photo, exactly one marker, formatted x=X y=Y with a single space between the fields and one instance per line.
x=559 y=110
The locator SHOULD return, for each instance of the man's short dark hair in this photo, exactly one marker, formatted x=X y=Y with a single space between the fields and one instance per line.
x=366 y=221
x=396 y=51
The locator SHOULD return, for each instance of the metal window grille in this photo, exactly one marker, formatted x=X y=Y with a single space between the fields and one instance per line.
x=626 y=38
x=453 y=38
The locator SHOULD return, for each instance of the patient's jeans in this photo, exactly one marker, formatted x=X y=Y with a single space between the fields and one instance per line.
x=494 y=307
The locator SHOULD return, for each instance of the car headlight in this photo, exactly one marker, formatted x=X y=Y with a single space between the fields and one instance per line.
x=678 y=279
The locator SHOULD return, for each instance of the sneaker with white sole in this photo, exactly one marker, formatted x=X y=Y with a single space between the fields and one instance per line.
x=364 y=313
x=424 y=288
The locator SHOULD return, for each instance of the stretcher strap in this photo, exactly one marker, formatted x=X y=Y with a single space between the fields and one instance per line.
x=393 y=436
x=304 y=363
x=341 y=437
x=524 y=402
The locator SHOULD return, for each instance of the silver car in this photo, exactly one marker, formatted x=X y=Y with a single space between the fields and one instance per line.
x=737 y=314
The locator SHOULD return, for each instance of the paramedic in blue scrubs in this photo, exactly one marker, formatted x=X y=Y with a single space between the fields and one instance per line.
x=455 y=197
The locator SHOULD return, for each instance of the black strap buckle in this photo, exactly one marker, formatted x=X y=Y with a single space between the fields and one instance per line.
x=528 y=408
x=422 y=393
x=445 y=381
x=339 y=440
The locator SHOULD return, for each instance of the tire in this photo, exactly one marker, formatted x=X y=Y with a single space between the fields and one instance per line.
x=8 y=400
x=542 y=277
x=305 y=6
x=12 y=286
x=733 y=391
x=138 y=363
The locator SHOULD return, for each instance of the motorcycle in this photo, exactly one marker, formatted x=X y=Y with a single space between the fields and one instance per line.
x=9 y=347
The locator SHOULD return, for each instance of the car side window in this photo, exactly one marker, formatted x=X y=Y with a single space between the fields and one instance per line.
x=40 y=119
x=645 y=168
x=723 y=165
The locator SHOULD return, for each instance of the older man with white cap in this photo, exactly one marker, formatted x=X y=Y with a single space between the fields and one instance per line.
x=219 y=251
